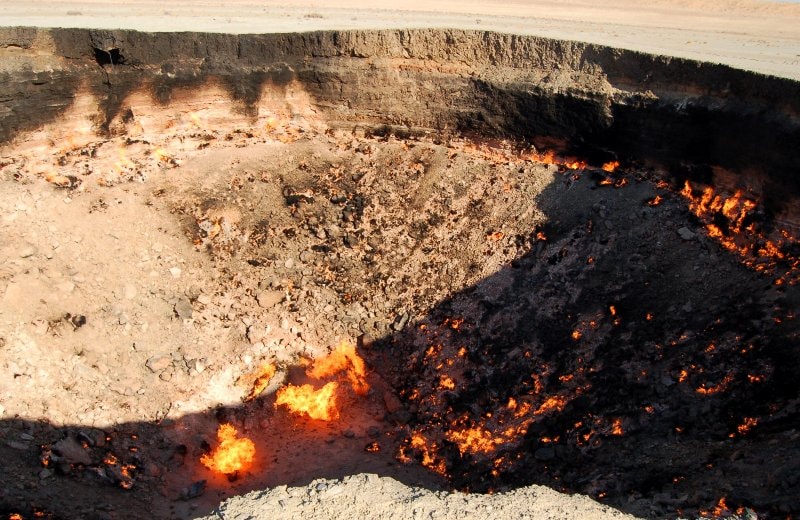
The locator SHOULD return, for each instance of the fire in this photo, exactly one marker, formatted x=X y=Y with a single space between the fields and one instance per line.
x=549 y=157
x=616 y=427
x=343 y=359
x=305 y=400
x=553 y=403
x=704 y=390
x=610 y=166
x=474 y=440
x=655 y=201
x=747 y=424
x=575 y=165
x=262 y=381
x=232 y=454
x=720 y=509
x=446 y=383
x=429 y=459
x=739 y=233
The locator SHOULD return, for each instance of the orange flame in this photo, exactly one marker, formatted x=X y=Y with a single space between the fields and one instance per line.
x=305 y=400
x=233 y=454
x=474 y=440
x=741 y=236
x=720 y=509
x=343 y=358
x=748 y=424
x=710 y=390
x=610 y=166
x=262 y=381
x=555 y=402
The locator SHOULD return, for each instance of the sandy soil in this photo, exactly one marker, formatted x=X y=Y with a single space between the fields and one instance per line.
x=760 y=36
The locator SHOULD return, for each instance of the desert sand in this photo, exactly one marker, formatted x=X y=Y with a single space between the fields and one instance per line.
x=753 y=35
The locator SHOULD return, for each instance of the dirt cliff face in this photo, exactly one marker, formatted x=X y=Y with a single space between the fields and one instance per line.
x=671 y=111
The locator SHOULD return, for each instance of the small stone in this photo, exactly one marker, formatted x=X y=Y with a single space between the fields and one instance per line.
x=322 y=486
x=183 y=309
x=26 y=436
x=391 y=402
x=130 y=291
x=400 y=322
x=46 y=473
x=269 y=299
x=22 y=446
x=66 y=287
x=685 y=233
x=193 y=491
x=175 y=272
x=374 y=431
x=72 y=451
x=546 y=453
x=158 y=363
x=27 y=251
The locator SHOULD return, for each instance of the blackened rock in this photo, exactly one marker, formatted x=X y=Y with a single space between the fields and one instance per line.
x=546 y=453
x=72 y=451
x=193 y=491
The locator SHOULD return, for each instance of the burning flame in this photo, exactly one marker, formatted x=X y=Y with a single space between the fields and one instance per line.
x=343 y=359
x=305 y=400
x=610 y=166
x=747 y=424
x=262 y=381
x=710 y=390
x=720 y=509
x=233 y=454
x=474 y=440
x=738 y=232
x=549 y=157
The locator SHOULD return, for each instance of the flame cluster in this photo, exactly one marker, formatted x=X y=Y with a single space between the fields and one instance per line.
x=343 y=363
x=732 y=222
x=232 y=455
x=493 y=433
x=262 y=379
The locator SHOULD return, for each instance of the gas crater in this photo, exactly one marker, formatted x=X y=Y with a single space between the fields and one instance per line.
x=466 y=260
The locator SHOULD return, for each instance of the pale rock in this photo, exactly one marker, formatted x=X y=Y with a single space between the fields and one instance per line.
x=158 y=363
x=175 y=272
x=27 y=250
x=183 y=309
x=269 y=299
x=130 y=291
x=67 y=286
